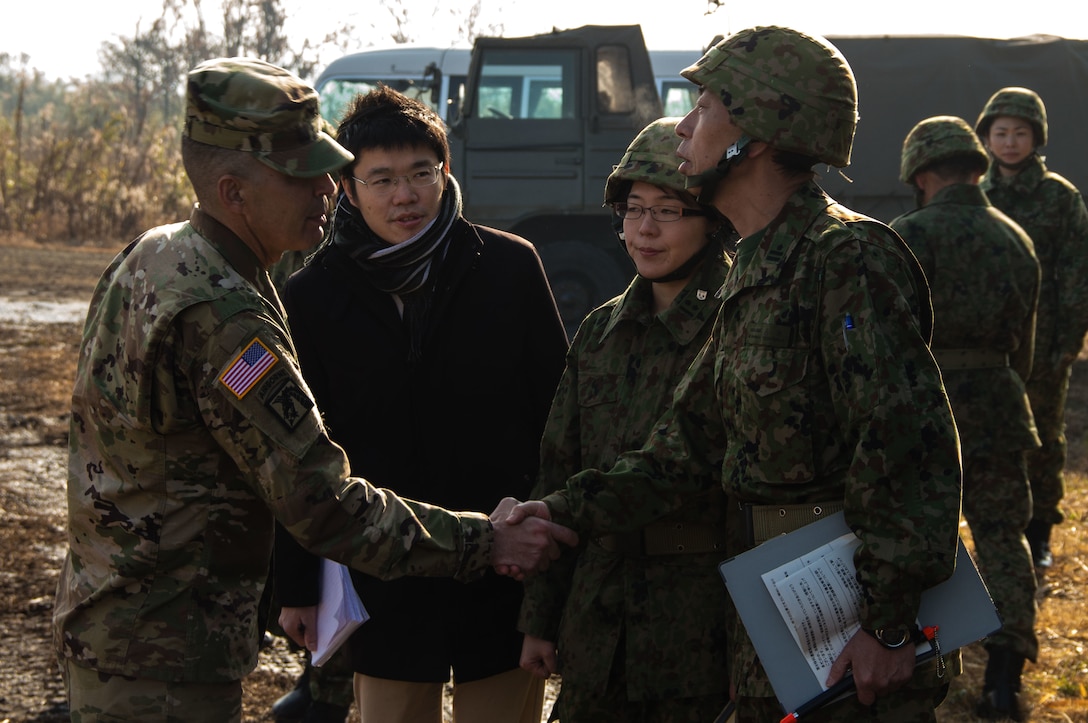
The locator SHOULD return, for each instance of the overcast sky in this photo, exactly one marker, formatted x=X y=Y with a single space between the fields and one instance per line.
x=63 y=41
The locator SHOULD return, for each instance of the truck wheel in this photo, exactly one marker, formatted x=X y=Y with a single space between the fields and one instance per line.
x=582 y=277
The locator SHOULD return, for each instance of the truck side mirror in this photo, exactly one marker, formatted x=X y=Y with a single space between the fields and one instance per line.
x=432 y=76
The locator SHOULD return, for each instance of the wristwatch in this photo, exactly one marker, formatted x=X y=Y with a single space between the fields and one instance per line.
x=891 y=638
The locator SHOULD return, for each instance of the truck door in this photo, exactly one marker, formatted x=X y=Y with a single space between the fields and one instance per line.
x=522 y=129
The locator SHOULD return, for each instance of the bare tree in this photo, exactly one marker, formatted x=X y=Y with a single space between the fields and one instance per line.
x=466 y=21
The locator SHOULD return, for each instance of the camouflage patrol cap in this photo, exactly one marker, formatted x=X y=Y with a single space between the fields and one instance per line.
x=937 y=139
x=1016 y=103
x=781 y=86
x=651 y=157
x=249 y=105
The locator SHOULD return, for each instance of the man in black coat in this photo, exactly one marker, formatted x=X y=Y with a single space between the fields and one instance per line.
x=433 y=346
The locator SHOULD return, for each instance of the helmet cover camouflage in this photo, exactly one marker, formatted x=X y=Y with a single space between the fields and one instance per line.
x=249 y=105
x=937 y=139
x=651 y=157
x=1016 y=103
x=793 y=91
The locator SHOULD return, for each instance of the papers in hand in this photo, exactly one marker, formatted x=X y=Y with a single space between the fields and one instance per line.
x=339 y=612
x=819 y=598
x=961 y=606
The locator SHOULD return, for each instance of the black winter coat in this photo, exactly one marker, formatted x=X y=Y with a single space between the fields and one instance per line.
x=461 y=428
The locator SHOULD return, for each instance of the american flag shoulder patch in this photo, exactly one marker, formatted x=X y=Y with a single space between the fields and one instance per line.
x=248 y=368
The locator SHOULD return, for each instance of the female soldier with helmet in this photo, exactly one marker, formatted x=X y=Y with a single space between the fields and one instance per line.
x=1013 y=127
x=621 y=602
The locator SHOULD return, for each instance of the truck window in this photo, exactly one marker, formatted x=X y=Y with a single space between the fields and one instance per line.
x=678 y=96
x=615 y=89
x=524 y=84
x=337 y=94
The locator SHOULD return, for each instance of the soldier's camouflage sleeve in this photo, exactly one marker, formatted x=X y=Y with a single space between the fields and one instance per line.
x=1052 y=212
x=273 y=433
x=902 y=483
x=682 y=458
x=1073 y=265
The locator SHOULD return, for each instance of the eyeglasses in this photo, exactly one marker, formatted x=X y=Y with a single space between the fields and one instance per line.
x=661 y=214
x=385 y=185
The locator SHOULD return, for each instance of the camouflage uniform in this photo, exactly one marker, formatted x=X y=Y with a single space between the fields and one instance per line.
x=638 y=618
x=665 y=612
x=1053 y=214
x=192 y=429
x=788 y=404
x=984 y=281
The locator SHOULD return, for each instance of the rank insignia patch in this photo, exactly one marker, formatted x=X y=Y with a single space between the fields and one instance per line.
x=248 y=368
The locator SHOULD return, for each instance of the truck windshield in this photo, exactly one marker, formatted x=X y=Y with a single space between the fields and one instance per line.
x=519 y=84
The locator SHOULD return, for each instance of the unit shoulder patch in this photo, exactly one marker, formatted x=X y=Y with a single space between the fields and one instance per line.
x=286 y=400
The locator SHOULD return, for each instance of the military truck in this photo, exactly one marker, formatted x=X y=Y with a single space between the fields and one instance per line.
x=537 y=122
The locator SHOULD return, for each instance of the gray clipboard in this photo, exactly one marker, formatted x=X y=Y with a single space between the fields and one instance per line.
x=961 y=606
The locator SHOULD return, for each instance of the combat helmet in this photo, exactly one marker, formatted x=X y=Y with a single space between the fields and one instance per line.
x=781 y=86
x=1016 y=103
x=937 y=139
x=651 y=158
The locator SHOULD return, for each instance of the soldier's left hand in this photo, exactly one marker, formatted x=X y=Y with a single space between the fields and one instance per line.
x=877 y=670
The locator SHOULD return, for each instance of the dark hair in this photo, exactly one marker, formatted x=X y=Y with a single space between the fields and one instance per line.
x=386 y=118
x=958 y=168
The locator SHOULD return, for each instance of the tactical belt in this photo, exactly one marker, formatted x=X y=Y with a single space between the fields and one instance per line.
x=951 y=359
x=678 y=538
x=767 y=521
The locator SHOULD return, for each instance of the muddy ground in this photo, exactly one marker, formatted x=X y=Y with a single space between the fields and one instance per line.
x=43 y=294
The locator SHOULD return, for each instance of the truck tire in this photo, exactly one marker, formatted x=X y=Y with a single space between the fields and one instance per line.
x=582 y=277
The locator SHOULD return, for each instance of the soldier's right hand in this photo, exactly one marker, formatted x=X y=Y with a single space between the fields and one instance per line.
x=529 y=545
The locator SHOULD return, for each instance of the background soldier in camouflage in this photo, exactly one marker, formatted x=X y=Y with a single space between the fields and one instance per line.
x=192 y=430
x=984 y=281
x=817 y=385
x=1013 y=127
x=639 y=617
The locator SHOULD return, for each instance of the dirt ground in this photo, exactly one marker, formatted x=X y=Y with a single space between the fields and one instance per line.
x=43 y=294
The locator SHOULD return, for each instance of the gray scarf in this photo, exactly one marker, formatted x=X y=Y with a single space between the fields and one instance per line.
x=405 y=269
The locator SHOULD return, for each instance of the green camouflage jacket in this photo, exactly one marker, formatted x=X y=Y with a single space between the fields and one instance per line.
x=817 y=385
x=984 y=282
x=669 y=609
x=1053 y=213
x=191 y=428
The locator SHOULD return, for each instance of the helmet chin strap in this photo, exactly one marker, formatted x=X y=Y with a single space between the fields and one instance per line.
x=707 y=181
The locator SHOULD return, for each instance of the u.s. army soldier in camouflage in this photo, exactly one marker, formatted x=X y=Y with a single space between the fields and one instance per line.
x=1013 y=127
x=638 y=618
x=192 y=429
x=817 y=388
x=984 y=282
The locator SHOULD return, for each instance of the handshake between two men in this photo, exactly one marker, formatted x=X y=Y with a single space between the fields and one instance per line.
x=526 y=540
